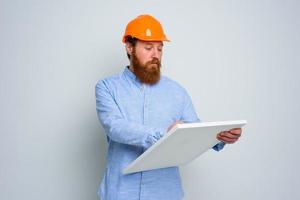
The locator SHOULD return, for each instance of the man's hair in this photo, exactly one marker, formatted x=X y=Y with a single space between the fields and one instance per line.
x=132 y=41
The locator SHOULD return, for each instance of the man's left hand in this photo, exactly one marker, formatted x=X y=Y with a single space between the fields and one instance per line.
x=231 y=136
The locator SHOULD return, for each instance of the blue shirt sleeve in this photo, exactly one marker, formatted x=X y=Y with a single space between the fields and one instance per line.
x=116 y=127
x=219 y=146
x=189 y=115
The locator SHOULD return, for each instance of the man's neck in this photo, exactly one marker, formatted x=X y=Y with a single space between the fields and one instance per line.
x=131 y=68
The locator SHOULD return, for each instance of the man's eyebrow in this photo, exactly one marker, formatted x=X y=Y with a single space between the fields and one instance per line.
x=152 y=44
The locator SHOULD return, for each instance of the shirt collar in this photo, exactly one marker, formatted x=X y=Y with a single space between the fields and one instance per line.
x=128 y=73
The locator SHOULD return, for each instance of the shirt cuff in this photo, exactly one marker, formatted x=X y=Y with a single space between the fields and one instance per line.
x=219 y=146
x=152 y=138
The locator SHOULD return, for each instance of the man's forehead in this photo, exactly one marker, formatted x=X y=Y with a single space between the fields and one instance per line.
x=153 y=43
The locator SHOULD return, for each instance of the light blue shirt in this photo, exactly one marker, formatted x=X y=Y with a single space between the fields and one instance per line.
x=135 y=116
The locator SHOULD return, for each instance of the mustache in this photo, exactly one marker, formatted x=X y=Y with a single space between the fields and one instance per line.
x=154 y=61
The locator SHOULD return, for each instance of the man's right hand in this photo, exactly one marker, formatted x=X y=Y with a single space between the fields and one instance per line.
x=174 y=124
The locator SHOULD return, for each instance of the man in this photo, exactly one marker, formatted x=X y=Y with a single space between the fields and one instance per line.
x=136 y=108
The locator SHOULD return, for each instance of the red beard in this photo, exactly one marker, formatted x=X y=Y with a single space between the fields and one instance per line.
x=148 y=73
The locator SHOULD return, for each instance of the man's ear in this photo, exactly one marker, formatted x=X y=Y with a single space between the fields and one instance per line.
x=129 y=48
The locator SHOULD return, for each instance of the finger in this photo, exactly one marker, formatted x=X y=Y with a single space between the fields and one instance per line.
x=226 y=140
x=174 y=124
x=236 y=131
x=229 y=135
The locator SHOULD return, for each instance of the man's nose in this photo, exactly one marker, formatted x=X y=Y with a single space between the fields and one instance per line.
x=155 y=53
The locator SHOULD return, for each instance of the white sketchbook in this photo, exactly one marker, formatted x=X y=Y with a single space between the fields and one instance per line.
x=181 y=145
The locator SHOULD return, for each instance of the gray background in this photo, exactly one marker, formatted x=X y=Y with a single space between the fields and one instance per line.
x=237 y=59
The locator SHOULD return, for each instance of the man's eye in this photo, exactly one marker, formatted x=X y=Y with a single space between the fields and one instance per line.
x=148 y=48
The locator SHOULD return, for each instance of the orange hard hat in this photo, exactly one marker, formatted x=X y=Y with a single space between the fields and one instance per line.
x=146 y=28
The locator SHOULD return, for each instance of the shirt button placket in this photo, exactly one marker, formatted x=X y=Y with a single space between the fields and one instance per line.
x=145 y=122
x=145 y=105
x=142 y=187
